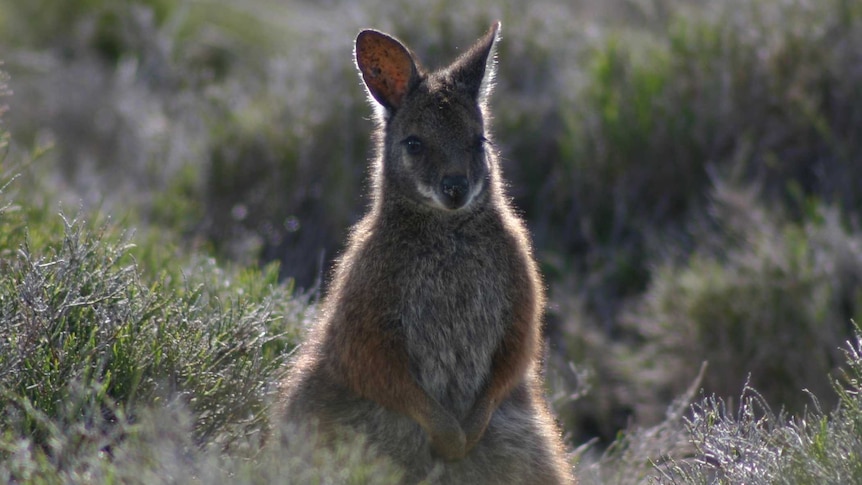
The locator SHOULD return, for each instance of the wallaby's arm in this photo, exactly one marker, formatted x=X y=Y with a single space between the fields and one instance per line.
x=510 y=361
x=374 y=363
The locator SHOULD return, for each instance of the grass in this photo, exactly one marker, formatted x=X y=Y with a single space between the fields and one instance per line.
x=754 y=444
x=94 y=339
x=688 y=172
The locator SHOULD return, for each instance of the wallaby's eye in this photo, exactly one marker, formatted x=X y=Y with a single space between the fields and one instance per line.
x=413 y=145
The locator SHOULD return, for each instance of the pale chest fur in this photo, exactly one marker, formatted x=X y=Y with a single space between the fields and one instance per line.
x=454 y=308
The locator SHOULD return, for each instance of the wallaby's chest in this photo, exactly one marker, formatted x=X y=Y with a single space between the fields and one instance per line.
x=454 y=305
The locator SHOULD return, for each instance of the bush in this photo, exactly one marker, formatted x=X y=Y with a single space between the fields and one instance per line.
x=711 y=441
x=753 y=301
x=757 y=445
x=750 y=90
x=91 y=340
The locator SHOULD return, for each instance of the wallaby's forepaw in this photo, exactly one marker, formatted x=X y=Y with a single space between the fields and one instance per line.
x=450 y=445
x=476 y=424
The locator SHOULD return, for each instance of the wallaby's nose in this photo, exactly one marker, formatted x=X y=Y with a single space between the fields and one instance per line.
x=454 y=187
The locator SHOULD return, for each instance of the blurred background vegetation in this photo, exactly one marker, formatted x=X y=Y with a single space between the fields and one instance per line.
x=689 y=170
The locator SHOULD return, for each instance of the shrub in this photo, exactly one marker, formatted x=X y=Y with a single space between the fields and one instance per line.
x=768 y=297
x=634 y=456
x=90 y=340
x=750 y=90
x=754 y=444
x=711 y=441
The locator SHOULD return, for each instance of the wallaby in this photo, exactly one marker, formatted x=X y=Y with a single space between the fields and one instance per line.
x=428 y=338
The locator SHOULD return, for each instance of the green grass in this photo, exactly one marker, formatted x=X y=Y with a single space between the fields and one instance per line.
x=97 y=331
x=754 y=444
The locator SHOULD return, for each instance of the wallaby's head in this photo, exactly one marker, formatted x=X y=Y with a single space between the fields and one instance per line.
x=435 y=150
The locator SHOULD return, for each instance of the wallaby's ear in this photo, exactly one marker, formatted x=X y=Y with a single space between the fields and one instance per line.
x=387 y=67
x=474 y=71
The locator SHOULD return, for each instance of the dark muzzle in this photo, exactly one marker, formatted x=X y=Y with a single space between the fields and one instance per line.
x=454 y=189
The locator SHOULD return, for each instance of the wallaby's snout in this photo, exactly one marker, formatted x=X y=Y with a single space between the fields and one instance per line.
x=455 y=189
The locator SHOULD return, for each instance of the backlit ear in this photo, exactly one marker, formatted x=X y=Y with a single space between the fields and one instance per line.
x=474 y=71
x=386 y=66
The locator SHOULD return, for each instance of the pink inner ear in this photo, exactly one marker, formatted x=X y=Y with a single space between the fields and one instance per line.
x=386 y=67
x=399 y=84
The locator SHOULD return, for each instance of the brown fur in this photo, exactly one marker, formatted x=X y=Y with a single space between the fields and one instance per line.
x=428 y=339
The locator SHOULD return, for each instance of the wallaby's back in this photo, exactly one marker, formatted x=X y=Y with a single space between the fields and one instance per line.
x=428 y=337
